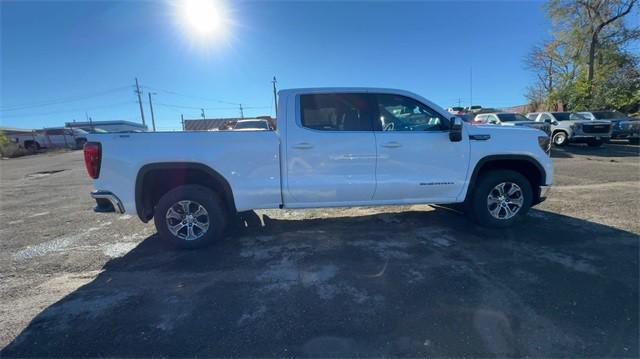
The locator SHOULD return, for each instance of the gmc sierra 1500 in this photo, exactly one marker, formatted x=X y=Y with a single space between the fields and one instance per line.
x=333 y=147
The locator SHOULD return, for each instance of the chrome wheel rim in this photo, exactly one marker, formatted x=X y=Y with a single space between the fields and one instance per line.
x=187 y=220
x=505 y=200
x=559 y=138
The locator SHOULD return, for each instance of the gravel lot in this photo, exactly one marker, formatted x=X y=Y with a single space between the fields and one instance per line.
x=402 y=281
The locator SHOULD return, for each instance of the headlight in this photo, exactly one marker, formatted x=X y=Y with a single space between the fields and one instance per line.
x=576 y=126
x=545 y=143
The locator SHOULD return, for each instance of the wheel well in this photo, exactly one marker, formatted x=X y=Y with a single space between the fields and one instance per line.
x=155 y=180
x=556 y=131
x=526 y=166
x=29 y=143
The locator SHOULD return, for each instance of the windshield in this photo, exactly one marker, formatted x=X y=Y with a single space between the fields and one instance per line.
x=609 y=115
x=510 y=117
x=568 y=116
x=252 y=124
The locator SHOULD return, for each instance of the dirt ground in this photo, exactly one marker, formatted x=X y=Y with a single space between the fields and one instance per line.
x=393 y=281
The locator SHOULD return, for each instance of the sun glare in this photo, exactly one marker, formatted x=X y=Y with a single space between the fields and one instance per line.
x=204 y=20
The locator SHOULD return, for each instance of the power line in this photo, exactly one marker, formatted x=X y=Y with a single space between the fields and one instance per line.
x=187 y=96
x=58 y=101
x=194 y=107
x=84 y=109
x=209 y=108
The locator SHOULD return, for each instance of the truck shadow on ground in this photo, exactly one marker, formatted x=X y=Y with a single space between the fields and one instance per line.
x=613 y=149
x=405 y=284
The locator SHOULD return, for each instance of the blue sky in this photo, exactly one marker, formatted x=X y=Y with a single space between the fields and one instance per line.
x=62 y=59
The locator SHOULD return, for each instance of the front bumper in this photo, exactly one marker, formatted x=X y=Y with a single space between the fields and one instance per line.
x=107 y=202
x=590 y=137
x=622 y=134
x=543 y=192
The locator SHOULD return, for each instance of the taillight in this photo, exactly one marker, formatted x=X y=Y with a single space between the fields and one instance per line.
x=92 y=158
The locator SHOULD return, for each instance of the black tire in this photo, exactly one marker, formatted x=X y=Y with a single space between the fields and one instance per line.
x=32 y=146
x=560 y=138
x=634 y=141
x=485 y=185
x=197 y=195
x=595 y=143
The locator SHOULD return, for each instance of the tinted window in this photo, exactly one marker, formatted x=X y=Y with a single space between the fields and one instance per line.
x=337 y=112
x=54 y=132
x=609 y=115
x=567 y=116
x=400 y=113
x=252 y=124
x=509 y=117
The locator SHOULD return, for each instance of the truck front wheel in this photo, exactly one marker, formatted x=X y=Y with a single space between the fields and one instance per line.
x=501 y=198
x=190 y=216
x=560 y=138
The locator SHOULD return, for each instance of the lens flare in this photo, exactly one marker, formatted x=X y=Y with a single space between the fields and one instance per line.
x=203 y=20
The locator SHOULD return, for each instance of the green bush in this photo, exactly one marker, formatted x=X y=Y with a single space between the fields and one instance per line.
x=10 y=149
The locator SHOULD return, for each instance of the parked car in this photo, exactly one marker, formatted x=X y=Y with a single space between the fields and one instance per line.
x=511 y=119
x=456 y=110
x=333 y=147
x=252 y=125
x=622 y=126
x=569 y=127
x=52 y=137
x=65 y=137
x=473 y=109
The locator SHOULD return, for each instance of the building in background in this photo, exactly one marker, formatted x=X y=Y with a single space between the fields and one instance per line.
x=216 y=124
x=108 y=126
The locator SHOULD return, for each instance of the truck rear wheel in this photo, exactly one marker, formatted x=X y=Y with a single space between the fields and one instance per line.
x=501 y=198
x=190 y=216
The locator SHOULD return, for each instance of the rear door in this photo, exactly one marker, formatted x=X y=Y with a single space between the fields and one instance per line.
x=417 y=162
x=56 y=137
x=331 y=153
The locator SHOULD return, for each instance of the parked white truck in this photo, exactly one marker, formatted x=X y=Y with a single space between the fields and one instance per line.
x=333 y=147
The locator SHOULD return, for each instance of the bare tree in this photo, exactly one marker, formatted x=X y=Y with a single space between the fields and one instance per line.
x=602 y=14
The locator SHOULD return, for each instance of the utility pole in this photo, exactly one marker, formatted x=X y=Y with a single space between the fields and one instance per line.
x=470 y=87
x=90 y=120
x=202 y=113
x=241 y=112
x=182 y=121
x=140 y=101
x=275 y=98
x=153 y=118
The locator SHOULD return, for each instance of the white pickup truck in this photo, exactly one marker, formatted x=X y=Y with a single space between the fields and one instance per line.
x=333 y=147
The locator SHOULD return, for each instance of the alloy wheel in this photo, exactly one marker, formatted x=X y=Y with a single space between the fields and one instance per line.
x=505 y=200
x=187 y=220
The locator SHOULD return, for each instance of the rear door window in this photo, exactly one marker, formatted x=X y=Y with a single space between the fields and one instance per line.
x=337 y=112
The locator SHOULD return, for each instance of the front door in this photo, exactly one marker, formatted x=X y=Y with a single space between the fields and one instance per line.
x=417 y=163
x=331 y=153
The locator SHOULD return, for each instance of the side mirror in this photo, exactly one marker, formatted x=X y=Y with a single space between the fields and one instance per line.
x=455 y=129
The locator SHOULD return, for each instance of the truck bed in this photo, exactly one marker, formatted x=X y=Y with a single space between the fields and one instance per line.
x=249 y=159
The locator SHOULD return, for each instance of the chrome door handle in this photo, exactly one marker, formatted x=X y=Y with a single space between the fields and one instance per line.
x=303 y=146
x=391 y=145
